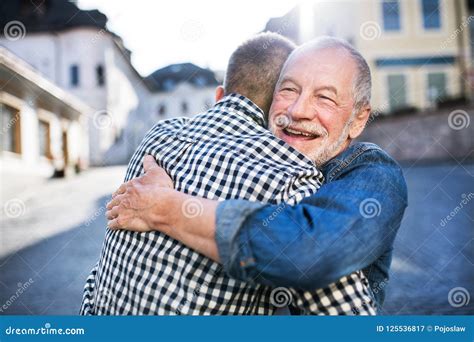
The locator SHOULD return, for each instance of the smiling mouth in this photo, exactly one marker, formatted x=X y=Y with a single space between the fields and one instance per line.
x=299 y=134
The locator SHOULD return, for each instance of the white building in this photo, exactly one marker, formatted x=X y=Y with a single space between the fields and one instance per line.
x=176 y=90
x=43 y=128
x=181 y=90
x=73 y=48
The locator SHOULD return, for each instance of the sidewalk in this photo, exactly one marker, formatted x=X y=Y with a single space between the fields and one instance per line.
x=58 y=239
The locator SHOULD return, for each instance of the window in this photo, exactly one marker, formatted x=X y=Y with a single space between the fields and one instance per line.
x=431 y=14
x=436 y=86
x=100 y=75
x=162 y=110
x=397 y=91
x=44 y=139
x=10 y=125
x=168 y=84
x=200 y=81
x=74 y=75
x=184 y=107
x=391 y=15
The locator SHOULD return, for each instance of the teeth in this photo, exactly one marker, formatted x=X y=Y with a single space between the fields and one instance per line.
x=298 y=132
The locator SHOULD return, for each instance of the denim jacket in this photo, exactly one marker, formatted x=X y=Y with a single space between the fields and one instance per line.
x=348 y=225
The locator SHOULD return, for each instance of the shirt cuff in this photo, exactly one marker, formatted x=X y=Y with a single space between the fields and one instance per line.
x=232 y=235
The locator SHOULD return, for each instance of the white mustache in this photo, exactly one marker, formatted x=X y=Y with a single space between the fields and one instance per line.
x=308 y=127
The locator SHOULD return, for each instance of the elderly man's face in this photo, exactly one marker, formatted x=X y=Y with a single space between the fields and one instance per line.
x=312 y=103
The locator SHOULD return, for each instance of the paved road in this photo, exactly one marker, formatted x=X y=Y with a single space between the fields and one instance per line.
x=54 y=242
x=47 y=252
x=434 y=254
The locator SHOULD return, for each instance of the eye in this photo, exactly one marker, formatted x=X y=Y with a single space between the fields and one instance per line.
x=326 y=98
x=288 y=89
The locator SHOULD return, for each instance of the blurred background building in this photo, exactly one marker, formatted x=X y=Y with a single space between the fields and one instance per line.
x=44 y=128
x=176 y=90
x=420 y=56
x=74 y=49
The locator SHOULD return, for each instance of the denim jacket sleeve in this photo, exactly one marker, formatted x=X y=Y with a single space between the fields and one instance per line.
x=346 y=226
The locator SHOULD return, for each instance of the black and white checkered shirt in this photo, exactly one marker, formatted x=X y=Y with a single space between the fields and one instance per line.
x=224 y=153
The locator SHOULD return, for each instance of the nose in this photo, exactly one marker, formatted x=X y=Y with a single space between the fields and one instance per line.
x=301 y=108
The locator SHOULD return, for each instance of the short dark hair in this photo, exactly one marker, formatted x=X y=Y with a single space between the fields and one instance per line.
x=254 y=67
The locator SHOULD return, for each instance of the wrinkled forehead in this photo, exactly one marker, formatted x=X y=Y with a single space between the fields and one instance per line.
x=315 y=65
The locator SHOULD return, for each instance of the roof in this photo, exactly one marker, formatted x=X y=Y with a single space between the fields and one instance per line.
x=10 y=65
x=167 y=78
x=46 y=16
x=286 y=25
x=49 y=15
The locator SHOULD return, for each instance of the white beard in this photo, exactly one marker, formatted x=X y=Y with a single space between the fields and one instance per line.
x=324 y=153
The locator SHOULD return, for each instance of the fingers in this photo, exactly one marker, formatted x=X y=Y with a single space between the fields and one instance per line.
x=115 y=201
x=120 y=190
x=149 y=163
x=113 y=224
x=154 y=174
x=112 y=213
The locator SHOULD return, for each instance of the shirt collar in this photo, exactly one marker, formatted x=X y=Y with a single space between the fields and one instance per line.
x=242 y=105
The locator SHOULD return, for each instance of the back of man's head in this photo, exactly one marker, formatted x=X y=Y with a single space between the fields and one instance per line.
x=254 y=67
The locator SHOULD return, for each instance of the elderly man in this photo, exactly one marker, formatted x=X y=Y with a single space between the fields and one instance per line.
x=225 y=153
x=349 y=224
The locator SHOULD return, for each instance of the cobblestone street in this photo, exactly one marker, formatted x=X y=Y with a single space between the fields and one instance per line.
x=48 y=250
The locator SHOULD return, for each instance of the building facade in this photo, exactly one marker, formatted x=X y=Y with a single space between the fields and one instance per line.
x=43 y=128
x=74 y=49
x=177 y=90
x=181 y=90
x=418 y=50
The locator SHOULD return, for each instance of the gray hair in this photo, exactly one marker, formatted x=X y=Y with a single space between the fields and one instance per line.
x=255 y=66
x=362 y=85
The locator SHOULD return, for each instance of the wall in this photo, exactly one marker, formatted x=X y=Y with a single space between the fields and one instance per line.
x=411 y=41
x=122 y=96
x=426 y=137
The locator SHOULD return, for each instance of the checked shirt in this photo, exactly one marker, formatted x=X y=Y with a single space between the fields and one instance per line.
x=224 y=153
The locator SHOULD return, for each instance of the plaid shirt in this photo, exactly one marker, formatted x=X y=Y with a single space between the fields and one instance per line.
x=224 y=153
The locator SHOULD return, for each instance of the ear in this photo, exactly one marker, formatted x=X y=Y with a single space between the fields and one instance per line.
x=359 y=122
x=219 y=93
